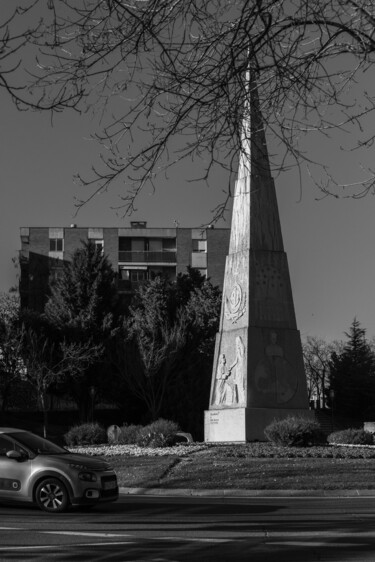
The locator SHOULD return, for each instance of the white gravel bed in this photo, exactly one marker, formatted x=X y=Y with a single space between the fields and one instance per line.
x=135 y=451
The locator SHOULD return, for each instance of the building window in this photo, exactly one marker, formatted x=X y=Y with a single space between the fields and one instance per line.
x=138 y=224
x=99 y=244
x=56 y=270
x=149 y=250
x=138 y=275
x=56 y=244
x=199 y=260
x=199 y=245
x=169 y=244
x=133 y=275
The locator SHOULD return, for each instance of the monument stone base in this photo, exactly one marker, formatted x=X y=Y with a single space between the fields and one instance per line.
x=239 y=425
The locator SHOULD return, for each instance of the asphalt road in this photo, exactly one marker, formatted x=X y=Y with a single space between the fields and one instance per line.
x=202 y=529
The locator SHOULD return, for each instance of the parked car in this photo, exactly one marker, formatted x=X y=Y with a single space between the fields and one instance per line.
x=33 y=469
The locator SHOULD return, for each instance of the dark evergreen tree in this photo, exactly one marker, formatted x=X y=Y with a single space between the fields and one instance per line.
x=352 y=374
x=83 y=297
x=82 y=308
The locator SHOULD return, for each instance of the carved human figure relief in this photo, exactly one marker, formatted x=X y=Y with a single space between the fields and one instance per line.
x=221 y=376
x=230 y=381
x=274 y=375
x=237 y=373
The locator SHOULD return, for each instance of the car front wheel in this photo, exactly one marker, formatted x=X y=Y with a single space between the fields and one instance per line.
x=51 y=495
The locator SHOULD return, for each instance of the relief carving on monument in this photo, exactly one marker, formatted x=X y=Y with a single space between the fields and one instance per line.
x=270 y=278
x=230 y=381
x=235 y=305
x=275 y=377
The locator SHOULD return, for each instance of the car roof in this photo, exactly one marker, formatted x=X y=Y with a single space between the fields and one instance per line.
x=12 y=430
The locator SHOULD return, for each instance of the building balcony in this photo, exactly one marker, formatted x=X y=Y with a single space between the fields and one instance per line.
x=146 y=257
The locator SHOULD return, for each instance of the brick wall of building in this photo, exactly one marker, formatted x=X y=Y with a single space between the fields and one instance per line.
x=73 y=239
x=37 y=263
x=217 y=250
x=184 y=249
x=110 y=237
x=35 y=269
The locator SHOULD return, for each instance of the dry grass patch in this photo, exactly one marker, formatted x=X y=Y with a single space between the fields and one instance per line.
x=251 y=467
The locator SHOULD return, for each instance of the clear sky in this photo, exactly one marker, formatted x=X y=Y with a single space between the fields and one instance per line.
x=330 y=243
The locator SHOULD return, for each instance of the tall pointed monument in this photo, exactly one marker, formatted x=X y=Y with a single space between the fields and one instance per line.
x=258 y=372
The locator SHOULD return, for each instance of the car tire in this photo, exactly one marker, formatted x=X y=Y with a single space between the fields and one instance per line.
x=52 y=496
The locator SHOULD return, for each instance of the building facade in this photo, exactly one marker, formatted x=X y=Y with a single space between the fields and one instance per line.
x=137 y=253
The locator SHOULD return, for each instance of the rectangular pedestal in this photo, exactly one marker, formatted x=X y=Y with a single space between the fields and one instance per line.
x=244 y=424
x=225 y=425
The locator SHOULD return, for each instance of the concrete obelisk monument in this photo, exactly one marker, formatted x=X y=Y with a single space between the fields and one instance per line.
x=258 y=372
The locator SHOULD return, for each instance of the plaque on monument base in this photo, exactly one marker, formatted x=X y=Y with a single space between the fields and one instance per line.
x=225 y=425
x=239 y=425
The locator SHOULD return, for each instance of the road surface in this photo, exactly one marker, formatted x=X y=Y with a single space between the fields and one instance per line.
x=203 y=529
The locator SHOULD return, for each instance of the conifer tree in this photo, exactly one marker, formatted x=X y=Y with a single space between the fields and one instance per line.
x=352 y=375
x=82 y=308
x=82 y=298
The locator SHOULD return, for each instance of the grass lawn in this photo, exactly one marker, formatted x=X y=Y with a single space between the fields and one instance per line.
x=142 y=472
x=240 y=467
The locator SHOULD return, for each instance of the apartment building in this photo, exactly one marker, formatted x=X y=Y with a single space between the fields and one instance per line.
x=137 y=253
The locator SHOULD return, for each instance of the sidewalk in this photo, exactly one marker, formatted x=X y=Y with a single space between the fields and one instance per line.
x=204 y=493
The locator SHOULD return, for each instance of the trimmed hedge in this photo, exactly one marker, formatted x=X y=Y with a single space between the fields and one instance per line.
x=351 y=437
x=128 y=434
x=295 y=432
x=86 y=434
x=160 y=433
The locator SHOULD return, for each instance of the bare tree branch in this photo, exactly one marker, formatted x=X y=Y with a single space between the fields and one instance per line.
x=166 y=80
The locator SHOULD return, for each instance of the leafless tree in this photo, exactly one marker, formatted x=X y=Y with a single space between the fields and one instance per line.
x=167 y=79
x=317 y=354
x=48 y=362
x=150 y=361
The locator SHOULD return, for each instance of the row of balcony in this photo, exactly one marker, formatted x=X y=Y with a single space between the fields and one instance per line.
x=146 y=257
x=128 y=257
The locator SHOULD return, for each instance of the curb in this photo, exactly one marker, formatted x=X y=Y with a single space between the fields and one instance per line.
x=228 y=493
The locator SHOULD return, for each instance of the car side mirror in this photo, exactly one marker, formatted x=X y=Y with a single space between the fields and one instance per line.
x=16 y=455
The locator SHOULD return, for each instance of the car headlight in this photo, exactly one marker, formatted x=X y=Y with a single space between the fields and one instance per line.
x=87 y=476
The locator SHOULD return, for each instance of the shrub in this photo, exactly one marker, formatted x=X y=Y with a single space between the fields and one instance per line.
x=85 y=434
x=160 y=433
x=129 y=434
x=351 y=437
x=295 y=432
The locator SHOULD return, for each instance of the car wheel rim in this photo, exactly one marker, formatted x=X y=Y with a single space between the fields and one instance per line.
x=51 y=496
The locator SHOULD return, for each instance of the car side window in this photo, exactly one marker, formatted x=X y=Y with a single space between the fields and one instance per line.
x=20 y=449
x=5 y=446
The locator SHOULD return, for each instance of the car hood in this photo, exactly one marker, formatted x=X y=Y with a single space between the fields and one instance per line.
x=84 y=460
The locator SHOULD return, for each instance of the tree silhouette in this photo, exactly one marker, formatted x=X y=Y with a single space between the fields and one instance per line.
x=165 y=352
x=82 y=309
x=352 y=374
x=11 y=362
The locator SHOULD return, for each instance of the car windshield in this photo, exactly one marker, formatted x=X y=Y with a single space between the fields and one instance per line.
x=38 y=445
